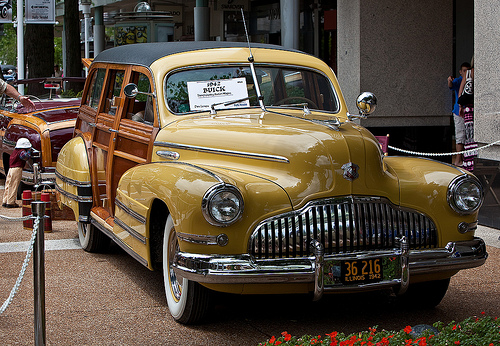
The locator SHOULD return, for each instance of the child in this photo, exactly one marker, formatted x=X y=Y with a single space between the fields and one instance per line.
x=18 y=158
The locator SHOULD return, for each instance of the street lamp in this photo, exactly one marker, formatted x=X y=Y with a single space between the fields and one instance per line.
x=85 y=8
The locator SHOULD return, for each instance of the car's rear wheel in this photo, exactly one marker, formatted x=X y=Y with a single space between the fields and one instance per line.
x=92 y=239
x=425 y=295
x=187 y=301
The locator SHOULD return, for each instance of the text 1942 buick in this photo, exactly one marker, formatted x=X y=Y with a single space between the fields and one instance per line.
x=241 y=171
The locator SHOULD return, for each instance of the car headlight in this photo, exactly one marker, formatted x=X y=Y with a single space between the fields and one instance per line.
x=465 y=194
x=222 y=205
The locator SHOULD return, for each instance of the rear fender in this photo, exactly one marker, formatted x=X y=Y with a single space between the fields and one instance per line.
x=73 y=182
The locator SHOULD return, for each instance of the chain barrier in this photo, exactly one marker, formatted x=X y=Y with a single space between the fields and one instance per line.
x=443 y=154
x=14 y=290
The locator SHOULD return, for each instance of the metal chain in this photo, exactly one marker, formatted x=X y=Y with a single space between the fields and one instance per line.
x=14 y=290
x=9 y=218
x=443 y=154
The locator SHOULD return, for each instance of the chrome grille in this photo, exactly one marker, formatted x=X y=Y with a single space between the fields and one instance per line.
x=342 y=225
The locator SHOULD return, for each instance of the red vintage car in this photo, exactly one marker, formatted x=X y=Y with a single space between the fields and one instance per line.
x=48 y=128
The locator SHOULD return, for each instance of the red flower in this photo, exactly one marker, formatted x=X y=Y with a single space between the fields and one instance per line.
x=333 y=335
x=278 y=343
x=407 y=329
x=482 y=312
x=422 y=342
x=457 y=342
x=272 y=340
x=454 y=327
x=286 y=336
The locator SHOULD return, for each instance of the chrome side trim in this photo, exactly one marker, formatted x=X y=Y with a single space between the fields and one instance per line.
x=228 y=269
x=197 y=239
x=119 y=242
x=130 y=230
x=85 y=199
x=73 y=182
x=130 y=212
x=244 y=154
x=168 y=154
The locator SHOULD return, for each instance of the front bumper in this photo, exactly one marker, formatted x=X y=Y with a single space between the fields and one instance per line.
x=36 y=176
x=243 y=269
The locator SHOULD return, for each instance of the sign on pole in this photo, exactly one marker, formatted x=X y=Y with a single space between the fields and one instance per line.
x=40 y=12
x=6 y=11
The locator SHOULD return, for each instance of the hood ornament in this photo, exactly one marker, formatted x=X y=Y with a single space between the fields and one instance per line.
x=350 y=171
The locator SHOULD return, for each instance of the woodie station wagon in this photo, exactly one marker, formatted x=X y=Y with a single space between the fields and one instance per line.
x=241 y=171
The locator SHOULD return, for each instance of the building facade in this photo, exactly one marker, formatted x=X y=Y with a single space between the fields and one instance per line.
x=400 y=50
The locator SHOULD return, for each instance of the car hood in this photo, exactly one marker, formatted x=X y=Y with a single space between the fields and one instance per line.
x=309 y=159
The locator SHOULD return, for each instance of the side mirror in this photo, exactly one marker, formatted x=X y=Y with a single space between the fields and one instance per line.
x=131 y=90
x=366 y=103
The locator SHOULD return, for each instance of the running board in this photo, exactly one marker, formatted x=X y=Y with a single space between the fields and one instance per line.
x=105 y=227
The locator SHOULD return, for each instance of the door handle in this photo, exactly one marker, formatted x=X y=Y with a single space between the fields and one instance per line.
x=113 y=130
x=92 y=124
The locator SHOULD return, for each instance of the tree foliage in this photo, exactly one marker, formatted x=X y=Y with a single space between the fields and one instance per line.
x=8 y=45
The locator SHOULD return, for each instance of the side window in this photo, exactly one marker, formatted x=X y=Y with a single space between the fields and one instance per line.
x=95 y=89
x=113 y=99
x=140 y=108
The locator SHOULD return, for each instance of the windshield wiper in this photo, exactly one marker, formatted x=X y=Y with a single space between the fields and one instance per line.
x=304 y=106
x=227 y=103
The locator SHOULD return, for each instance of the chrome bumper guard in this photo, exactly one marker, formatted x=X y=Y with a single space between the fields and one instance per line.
x=244 y=269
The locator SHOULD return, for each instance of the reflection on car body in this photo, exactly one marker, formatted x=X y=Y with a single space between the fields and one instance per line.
x=250 y=177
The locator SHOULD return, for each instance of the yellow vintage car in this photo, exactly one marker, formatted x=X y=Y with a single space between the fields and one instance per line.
x=240 y=170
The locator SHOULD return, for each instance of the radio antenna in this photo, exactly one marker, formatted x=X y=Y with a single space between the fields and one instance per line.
x=252 y=67
x=250 y=58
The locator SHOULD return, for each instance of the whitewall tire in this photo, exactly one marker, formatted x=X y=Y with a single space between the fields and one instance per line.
x=187 y=301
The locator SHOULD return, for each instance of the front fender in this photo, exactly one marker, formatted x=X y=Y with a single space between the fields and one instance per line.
x=423 y=187
x=181 y=187
x=73 y=182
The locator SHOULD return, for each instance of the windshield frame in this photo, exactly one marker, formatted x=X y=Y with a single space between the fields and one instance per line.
x=336 y=98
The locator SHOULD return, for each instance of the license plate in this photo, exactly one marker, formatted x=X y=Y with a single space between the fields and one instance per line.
x=361 y=271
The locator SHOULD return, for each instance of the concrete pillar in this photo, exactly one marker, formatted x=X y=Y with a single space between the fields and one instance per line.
x=289 y=13
x=99 y=35
x=402 y=52
x=202 y=21
x=486 y=81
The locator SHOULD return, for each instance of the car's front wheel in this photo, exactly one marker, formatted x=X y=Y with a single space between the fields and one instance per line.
x=187 y=301
x=91 y=239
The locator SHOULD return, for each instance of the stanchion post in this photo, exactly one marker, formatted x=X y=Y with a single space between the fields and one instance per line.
x=38 y=210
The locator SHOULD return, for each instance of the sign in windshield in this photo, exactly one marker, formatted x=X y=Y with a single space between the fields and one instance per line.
x=206 y=93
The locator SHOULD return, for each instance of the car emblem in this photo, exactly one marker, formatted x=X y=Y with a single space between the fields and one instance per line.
x=350 y=171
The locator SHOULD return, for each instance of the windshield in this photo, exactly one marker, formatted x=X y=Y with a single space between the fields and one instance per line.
x=194 y=90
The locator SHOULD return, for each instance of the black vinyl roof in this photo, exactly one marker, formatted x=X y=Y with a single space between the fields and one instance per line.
x=147 y=53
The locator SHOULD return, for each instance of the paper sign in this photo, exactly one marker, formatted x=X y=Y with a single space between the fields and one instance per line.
x=204 y=94
x=40 y=11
